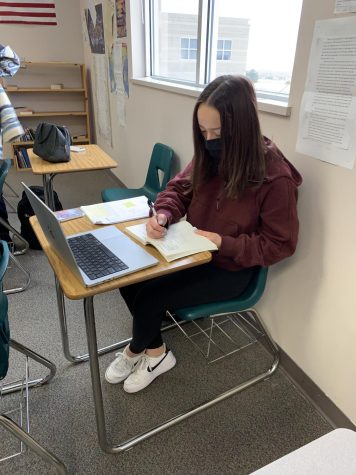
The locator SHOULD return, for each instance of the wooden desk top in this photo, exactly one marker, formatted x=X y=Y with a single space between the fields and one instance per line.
x=74 y=289
x=94 y=158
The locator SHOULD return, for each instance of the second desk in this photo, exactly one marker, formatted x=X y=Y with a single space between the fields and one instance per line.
x=93 y=158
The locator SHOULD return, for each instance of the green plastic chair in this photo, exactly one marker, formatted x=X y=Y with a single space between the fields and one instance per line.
x=228 y=318
x=161 y=161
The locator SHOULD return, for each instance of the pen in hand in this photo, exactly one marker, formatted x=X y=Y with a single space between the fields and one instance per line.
x=152 y=212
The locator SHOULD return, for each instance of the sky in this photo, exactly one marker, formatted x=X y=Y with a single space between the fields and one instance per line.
x=273 y=28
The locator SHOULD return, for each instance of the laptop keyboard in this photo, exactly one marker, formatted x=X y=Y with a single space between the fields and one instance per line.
x=95 y=259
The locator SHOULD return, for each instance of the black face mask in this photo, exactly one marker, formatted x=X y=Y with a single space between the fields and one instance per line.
x=214 y=148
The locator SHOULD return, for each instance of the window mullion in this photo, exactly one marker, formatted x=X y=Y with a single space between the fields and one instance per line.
x=202 y=41
x=212 y=41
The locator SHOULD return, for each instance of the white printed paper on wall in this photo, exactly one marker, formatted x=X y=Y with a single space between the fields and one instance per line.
x=345 y=6
x=101 y=96
x=327 y=122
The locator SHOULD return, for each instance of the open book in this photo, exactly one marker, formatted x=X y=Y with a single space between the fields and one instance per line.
x=117 y=211
x=180 y=240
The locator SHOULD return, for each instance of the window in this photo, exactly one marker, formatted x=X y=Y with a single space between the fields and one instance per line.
x=188 y=48
x=193 y=41
x=223 y=52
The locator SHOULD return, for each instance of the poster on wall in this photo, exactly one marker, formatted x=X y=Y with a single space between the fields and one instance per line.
x=125 y=68
x=345 y=6
x=95 y=28
x=121 y=19
x=327 y=121
x=101 y=97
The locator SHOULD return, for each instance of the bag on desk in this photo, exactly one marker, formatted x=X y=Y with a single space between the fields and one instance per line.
x=25 y=211
x=52 y=142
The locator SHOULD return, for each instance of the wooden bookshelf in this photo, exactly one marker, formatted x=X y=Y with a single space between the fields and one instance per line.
x=66 y=105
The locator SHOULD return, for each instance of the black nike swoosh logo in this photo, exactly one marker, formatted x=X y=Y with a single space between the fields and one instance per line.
x=150 y=369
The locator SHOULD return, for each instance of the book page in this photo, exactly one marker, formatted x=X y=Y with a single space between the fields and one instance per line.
x=180 y=240
x=117 y=211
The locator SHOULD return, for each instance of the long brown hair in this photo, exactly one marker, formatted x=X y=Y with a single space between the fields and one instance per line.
x=242 y=162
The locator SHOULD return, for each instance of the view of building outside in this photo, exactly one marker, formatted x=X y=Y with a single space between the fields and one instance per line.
x=178 y=46
x=254 y=37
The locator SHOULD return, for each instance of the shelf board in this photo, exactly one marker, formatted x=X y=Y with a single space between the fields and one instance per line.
x=50 y=114
x=30 y=142
x=50 y=63
x=44 y=89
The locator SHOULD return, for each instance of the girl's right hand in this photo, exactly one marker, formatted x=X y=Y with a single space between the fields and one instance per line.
x=155 y=226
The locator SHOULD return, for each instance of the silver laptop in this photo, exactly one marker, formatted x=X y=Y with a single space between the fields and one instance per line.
x=94 y=256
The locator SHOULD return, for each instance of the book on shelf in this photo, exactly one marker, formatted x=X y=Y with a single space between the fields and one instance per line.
x=28 y=136
x=181 y=240
x=117 y=211
x=67 y=214
x=55 y=87
x=26 y=157
x=24 y=112
x=22 y=162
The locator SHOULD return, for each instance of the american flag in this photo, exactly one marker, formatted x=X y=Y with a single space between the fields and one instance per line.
x=37 y=12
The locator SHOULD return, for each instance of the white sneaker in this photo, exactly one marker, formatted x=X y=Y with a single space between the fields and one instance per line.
x=147 y=371
x=121 y=367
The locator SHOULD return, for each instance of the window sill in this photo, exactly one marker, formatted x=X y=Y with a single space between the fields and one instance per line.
x=264 y=105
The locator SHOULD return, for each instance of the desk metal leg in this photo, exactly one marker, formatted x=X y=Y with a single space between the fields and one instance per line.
x=98 y=395
x=64 y=332
x=12 y=387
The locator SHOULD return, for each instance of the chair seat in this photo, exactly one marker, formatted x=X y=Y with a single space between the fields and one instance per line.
x=245 y=301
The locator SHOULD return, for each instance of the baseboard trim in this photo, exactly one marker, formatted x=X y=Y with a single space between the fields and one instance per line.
x=314 y=394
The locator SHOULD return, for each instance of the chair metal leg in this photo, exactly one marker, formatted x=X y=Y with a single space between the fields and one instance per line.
x=24 y=271
x=98 y=396
x=17 y=234
x=14 y=194
x=20 y=434
x=13 y=387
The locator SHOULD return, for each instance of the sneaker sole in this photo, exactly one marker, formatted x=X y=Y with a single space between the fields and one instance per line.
x=136 y=389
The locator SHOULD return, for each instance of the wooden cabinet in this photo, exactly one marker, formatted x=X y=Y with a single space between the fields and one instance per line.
x=53 y=92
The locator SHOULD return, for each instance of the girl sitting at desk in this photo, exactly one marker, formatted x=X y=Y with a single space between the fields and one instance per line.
x=240 y=192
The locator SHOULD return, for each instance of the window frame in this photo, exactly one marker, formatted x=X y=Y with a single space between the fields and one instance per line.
x=207 y=47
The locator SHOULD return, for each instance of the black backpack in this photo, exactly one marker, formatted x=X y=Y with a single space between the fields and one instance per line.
x=25 y=211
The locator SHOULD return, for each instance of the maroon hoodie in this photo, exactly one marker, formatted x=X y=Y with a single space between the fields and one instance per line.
x=258 y=228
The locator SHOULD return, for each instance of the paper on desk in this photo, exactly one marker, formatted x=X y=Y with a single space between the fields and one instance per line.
x=117 y=211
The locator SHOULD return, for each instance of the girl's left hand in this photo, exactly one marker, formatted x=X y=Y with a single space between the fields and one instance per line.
x=213 y=237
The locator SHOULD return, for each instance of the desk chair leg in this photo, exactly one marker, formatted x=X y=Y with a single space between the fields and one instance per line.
x=14 y=194
x=98 y=395
x=13 y=387
x=20 y=434
x=24 y=271
x=18 y=235
x=64 y=332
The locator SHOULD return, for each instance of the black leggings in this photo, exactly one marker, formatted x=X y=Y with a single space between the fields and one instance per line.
x=149 y=300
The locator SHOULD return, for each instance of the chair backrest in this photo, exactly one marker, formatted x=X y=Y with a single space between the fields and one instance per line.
x=4 y=323
x=161 y=160
x=4 y=170
x=244 y=301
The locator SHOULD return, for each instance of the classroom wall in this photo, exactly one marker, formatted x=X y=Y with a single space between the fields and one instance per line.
x=309 y=302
